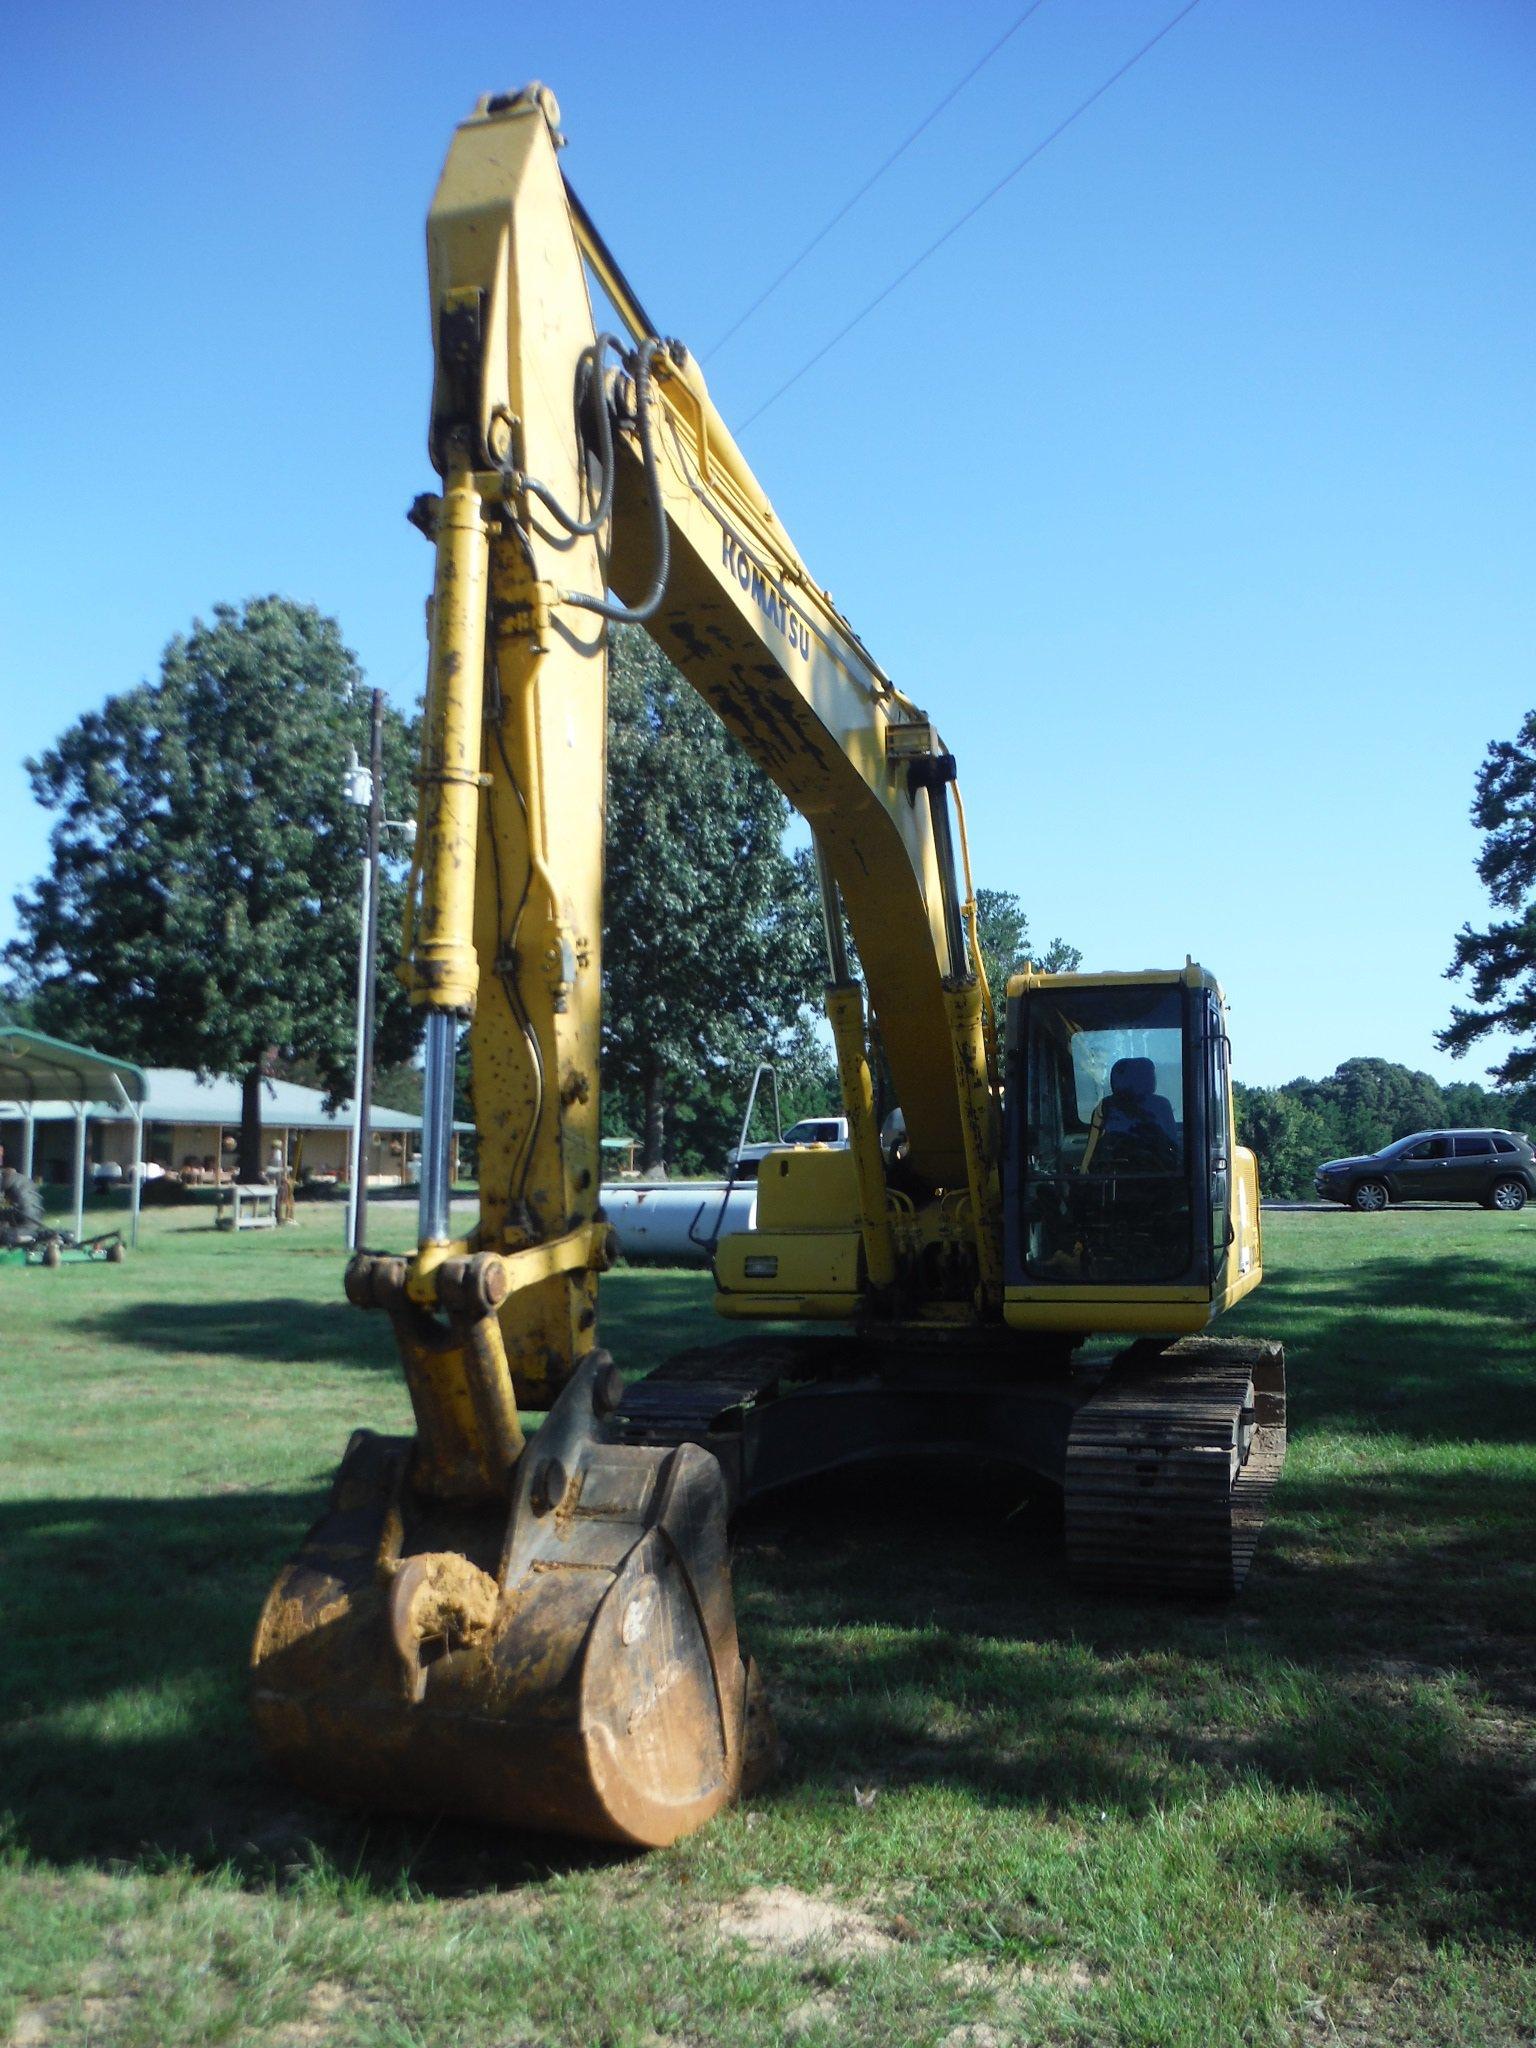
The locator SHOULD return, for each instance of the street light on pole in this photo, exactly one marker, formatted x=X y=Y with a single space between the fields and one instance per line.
x=365 y=787
x=362 y=788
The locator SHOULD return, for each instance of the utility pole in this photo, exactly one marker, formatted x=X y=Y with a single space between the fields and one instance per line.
x=363 y=1107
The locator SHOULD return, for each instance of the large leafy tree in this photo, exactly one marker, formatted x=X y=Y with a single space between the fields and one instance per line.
x=711 y=942
x=1287 y=1133
x=1366 y=1103
x=201 y=906
x=1003 y=929
x=1501 y=961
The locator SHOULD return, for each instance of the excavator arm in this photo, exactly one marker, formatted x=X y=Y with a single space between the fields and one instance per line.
x=542 y=1629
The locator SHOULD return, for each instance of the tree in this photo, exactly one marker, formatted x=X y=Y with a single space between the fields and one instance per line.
x=16 y=1008
x=201 y=908
x=1363 y=1105
x=1366 y=1103
x=1287 y=1135
x=1473 y=1107
x=1502 y=960
x=1003 y=930
x=711 y=938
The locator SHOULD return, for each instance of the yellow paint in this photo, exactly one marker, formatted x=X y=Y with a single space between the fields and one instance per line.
x=981 y=1126
x=845 y=1014
x=421 y=1282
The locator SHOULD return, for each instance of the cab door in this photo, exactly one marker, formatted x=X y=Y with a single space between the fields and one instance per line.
x=1423 y=1172
x=1218 y=1141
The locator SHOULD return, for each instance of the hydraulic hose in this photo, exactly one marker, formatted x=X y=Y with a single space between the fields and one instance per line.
x=605 y=608
x=589 y=378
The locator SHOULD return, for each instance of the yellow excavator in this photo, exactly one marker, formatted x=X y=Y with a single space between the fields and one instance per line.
x=539 y=1630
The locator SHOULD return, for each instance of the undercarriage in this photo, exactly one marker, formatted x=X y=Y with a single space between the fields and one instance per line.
x=1165 y=1455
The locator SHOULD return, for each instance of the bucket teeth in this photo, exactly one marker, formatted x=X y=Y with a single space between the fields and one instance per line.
x=570 y=1664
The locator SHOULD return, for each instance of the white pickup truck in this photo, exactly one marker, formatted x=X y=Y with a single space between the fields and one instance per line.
x=811 y=1130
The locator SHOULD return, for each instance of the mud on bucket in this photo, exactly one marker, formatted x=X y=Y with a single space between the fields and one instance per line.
x=569 y=1664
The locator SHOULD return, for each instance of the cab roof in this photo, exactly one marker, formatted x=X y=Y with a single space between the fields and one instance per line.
x=1031 y=979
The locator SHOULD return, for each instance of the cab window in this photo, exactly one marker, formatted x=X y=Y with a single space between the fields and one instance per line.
x=1103 y=1135
x=1106 y=1071
x=1429 y=1148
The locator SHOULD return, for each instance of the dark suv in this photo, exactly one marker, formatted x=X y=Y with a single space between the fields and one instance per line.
x=1496 y=1168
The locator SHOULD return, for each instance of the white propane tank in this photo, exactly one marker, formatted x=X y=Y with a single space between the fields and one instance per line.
x=678 y=1223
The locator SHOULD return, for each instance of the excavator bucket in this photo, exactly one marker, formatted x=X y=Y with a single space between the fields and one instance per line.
x=569 y=1664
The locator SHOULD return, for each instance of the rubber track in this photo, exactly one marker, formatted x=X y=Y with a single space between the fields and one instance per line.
x=1156 y=1498
x=679 y=1400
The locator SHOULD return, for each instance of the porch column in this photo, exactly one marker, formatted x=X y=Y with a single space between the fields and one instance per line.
x=79 y=1169
x=136 y=1187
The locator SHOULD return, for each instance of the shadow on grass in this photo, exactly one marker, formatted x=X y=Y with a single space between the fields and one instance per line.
x=915 y=1628
x=279 y=1330
x=124 y=1737
x=645 y=1318
x=1437 y=1351
x=914 y=1633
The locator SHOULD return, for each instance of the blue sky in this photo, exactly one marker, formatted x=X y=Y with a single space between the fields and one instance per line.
x=1191 y=487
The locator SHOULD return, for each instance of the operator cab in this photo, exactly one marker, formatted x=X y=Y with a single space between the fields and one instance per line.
x=1128 y=1206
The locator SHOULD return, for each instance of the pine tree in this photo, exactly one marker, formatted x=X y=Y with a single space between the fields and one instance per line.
x=1501 y=961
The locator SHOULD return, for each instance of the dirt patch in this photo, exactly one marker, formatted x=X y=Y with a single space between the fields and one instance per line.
x=782 y=1921
x=324 y=2005
x=486 y=1901
x=38 y=2025
x=451 y=1599
x=1066 y=1976
x=823 y=2010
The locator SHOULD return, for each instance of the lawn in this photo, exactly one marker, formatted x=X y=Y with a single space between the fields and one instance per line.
x=1005 y=1814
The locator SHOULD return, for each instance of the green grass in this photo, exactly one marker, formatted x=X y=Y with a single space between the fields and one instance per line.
x=1303 y=1819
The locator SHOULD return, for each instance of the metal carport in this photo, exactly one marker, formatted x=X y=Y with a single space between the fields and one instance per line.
x=35 y=1068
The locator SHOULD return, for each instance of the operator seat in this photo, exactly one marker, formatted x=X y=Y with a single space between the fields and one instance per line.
x=1134 y=1125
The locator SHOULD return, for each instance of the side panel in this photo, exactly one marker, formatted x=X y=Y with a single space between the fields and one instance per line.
x=1245 y=1265
x=804 y=1255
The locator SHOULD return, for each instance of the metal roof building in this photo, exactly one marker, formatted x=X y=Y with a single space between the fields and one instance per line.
x=183 y=1121
x=50 y=1080
x=178 y=1096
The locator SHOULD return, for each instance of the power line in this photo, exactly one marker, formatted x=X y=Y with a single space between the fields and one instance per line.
x=874 y=178
x=969 y=214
